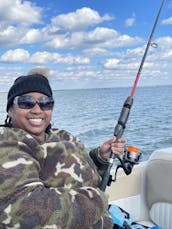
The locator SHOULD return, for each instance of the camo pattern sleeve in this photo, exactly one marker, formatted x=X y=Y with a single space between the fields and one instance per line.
x=98 y=161
x=53 y=185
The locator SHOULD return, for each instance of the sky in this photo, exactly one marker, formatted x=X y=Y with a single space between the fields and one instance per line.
x=86 y=43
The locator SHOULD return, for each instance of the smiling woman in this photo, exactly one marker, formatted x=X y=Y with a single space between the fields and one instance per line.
x=47 y=177
x=30 y=104
x=32 y=113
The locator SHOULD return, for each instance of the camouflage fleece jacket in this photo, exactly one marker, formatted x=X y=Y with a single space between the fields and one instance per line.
x=52 y=185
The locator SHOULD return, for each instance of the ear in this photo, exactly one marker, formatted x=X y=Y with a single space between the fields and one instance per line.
x=10 y=112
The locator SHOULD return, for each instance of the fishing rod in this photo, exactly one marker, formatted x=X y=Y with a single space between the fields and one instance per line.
x=121 y=124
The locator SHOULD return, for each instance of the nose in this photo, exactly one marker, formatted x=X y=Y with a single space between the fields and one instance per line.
x=36 y=109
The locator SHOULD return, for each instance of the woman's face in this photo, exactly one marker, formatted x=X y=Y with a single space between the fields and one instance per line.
x=33 y=120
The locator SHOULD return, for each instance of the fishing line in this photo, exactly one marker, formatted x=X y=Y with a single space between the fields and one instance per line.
x=119 y=128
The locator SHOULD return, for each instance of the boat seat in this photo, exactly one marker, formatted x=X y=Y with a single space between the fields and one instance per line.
x=158 y=187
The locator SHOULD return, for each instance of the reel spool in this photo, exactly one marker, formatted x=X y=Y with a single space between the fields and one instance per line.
x=132 y=154
x=131 y=157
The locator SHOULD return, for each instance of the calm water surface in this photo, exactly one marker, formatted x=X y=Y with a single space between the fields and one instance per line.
x=92 y=114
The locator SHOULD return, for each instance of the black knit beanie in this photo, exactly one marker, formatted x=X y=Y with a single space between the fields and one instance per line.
x=27 y=84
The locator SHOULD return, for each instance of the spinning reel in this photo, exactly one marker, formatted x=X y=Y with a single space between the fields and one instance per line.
x=129 y=158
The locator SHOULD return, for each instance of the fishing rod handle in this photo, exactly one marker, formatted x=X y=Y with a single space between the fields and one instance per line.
x=105 y=178
x=118 y=131
x=119 y=128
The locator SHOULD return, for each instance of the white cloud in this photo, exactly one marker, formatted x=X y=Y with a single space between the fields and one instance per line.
x=120 y=64
x=47 y=57
x=129 y=22
x=69 y=59
x=96 y=51
x=79 y=20
x=10 y=35
x=17 y=35
x=42 y=57
x=100 y=37
x=167 y=55
x=19 y=11
x=67 y=31
x=31 y=36
x=17 y=55
x=111 y=63
x=16 y=16
x=21 y=55
x=163 y=42
x=167 y=21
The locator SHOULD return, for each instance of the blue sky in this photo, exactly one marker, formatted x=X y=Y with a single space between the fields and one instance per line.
x=85 y=43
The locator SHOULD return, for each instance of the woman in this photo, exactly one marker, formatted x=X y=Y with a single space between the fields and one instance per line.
x=47 y=179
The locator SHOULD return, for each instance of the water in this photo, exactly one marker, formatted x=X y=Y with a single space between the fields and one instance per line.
x=92 y=115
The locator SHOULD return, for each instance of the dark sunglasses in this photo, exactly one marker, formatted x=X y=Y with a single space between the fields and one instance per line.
x=28 y=102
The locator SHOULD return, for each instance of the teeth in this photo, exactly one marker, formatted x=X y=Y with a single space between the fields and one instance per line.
x=35 y=120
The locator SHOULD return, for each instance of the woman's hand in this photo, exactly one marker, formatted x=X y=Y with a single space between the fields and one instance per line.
x=112 y=145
